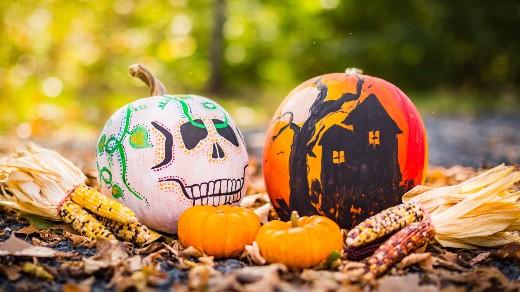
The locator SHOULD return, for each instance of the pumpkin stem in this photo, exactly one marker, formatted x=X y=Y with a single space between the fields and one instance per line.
x=156 y=86
x=353 y=70
x=294 y=219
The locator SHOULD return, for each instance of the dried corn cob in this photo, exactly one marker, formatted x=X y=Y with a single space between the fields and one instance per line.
x=83 y=222
x=39 y=181
x=401 y=244
x=101 y=205
x=133 y=231
x=384 y=223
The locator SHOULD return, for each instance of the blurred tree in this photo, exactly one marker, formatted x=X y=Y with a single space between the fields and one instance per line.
x=217 y=38
x=66 y=60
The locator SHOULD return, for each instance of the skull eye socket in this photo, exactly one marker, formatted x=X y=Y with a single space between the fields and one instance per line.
x=192 y=134
x=224 y=130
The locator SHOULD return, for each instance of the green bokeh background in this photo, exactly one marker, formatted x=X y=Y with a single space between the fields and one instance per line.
x=63 y=64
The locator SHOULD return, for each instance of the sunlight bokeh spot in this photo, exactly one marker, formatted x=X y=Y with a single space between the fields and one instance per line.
x=52 y=86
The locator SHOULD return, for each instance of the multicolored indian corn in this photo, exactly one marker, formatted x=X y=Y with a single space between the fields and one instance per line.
x=399 y=245
x=101 y=205
x=83 y=222
x=133 y=231
x=384 y=223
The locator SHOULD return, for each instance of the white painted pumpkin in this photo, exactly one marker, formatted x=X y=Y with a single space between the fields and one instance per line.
x=163 y=154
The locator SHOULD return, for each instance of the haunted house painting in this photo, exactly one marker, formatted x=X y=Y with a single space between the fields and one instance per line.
x=360 y=165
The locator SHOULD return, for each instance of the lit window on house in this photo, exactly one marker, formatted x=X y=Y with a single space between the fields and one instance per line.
x=373 y=138
x=338 y=157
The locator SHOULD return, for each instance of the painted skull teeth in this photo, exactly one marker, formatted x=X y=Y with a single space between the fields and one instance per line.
x=214 y=192
x=217 y=192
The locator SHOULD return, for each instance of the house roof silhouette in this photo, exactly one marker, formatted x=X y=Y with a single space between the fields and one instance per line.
x=371 y=115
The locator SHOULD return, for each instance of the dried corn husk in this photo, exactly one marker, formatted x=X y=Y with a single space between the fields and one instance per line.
x=481 y=211
x=37 y=180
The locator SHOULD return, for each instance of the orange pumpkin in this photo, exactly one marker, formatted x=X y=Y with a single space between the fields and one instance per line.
x=343 y=145
x=221 y=231
x=301 y=243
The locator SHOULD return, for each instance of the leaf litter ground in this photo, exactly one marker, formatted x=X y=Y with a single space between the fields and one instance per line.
x=40 y=255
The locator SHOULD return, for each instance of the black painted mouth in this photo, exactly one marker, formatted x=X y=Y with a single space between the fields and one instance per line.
x=214 y=192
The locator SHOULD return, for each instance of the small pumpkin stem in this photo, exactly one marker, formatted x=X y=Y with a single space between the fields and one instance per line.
x=156 y=86
x=294 y=219
x=354 y=70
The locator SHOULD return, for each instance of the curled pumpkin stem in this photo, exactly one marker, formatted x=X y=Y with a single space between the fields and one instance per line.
x=156 y=86
x=294 y=219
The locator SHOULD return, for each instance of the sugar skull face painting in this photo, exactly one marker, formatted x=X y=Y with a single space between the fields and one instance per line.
x=163 y=154
x=343 y=145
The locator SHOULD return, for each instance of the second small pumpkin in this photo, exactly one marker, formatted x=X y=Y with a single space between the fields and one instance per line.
x=301 y=243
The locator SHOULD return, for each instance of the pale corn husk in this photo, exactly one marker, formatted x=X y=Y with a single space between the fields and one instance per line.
x=36 y=180
x=481 y=211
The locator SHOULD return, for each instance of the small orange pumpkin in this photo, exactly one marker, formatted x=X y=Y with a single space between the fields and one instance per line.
x=301 y=243
x=221 y=231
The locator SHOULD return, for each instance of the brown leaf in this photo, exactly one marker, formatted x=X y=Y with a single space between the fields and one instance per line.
x=481 y=279
x=325 y=280
x=252 y=252
x=83 y=286
x=255 y=200
x=27 y=230
x=263 y=212
x=207 y=260
x=108 y=254
x=12 y=273
x=268 y=274
x=190 y=252
x=151 y=248
x=79 y=240
x=134 y=263
x=424 y=260
x=409 y=282
x=509 y=251
x=199 y=276
x=18 y=247
x=479 y=258
x=72 y=268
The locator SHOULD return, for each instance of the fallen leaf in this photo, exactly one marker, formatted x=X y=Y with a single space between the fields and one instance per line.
x=409 y=282
x=38 y=222
x=479 y=258
x=12 y=273
x=109 y=253
x=83 y=286
x=198 y=277
x=37 y=271
x=263 y=278
x=90 y=266
x=250 y=201
x=439 y=262
x=509 y=251
x=151 y=248
x=263 y=212
x=207 y=260
x=27 y=230
x=173 y=248
x=79 y=240
x=480 y=279
x=134 y=263
x=18 y=247
x=190 y=252
x=423 y=260
x=139 y=280
x=252 y=252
